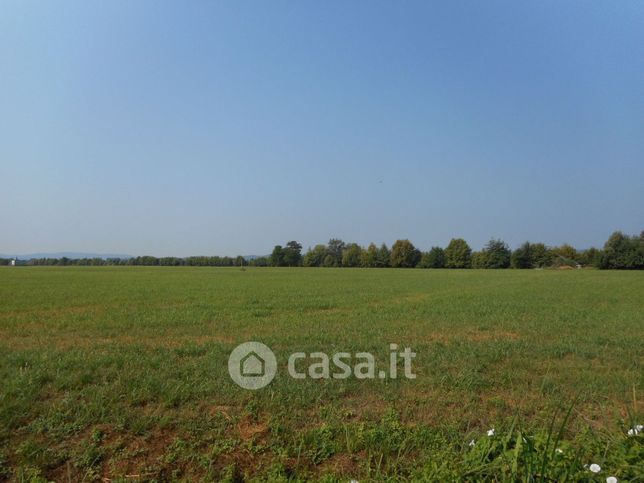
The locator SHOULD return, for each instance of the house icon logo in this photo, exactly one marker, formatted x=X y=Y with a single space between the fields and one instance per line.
x=252 y=365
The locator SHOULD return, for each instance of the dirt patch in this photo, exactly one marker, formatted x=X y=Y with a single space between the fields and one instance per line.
x=249 y=430
x=341 y=464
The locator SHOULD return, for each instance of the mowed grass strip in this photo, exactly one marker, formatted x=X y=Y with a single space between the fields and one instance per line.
x=116 y=371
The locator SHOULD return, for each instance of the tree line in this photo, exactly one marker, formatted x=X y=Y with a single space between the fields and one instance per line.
x=202 y=261
x=619 y=252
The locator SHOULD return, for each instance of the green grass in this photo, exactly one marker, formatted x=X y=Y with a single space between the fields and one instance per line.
x=121 y=372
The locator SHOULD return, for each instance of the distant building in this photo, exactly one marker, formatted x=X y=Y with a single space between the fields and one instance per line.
x=12 y=262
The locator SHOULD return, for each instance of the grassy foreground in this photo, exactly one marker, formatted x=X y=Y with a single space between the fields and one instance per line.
x=120 y=373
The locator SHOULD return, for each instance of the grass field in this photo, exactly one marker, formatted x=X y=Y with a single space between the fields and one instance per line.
x=121 y=373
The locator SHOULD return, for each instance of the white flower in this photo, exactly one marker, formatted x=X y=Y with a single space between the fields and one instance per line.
x=639 y=427
x=353 y=481
x=490 y=432
x=472 y=443
x=559 y=451
x=635 y=430
x=631 y=432
x=611 y=479
x=595 y=468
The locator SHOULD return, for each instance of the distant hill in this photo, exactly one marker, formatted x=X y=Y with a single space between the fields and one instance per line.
x=29 y=256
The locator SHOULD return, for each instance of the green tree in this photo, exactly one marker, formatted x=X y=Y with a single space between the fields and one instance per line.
x=541 y=255
x=458 y=254
x=522 y=256
x=382 y=260
x=480 y=259
x=590 y=256
x=169 y=261
x=352 y=255
x=404 y=254
x=315 y=256
x=370 y=256
x=292 y=254
x=260 y=262
x=622 y=252
x=335 y=248
x=423 y=263
x=329 y=261
x=435 y=258
x=145 y=260
x=497 y=254
x=277 y=257
x=566 y=253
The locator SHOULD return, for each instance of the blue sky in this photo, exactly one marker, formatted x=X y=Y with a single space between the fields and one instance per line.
x=202 y=127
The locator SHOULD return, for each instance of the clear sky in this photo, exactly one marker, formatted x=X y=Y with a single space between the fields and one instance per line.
x=208 y=127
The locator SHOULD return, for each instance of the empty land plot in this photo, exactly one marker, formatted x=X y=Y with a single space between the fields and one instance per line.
x=115 y=372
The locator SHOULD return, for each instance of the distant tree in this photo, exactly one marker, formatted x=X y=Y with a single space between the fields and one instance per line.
x=566 y=252
x=370 y=256
x=292 y=254
x=277 y=257
x=404 y=254
x=315 y=256
x=352 y=255
x=329 y=261
x=541 y=255
x=458 y=254
x=590 y=257
x=522 y=256
x=382 y=259
x=423 y=263
x=434 y=258
x=622 y=252
x=147 y=260
x=240 y=261
x=335 y=249
x=564 y=255
x=480 y=259
x=497 y=254
x=260 y=262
